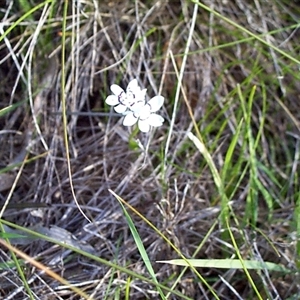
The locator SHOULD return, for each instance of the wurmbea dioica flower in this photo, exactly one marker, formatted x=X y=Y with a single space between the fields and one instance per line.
x=145 y=114
x=134 y=106
x=123 y=100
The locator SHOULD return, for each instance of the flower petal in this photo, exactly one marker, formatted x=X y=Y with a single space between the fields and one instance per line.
x=112 y=100
x=117 y=90
x=156 y=103
x=137 y=107
x=141 y=95
x=133 y=86
x=120 y=109
x=144 y=112
x=155 y=120
x=129 y=119
x=144 y=125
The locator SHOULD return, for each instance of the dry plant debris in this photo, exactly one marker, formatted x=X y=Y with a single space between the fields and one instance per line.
x=113 y=42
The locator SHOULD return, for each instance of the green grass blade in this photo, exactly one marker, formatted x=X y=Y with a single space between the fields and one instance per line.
x=228 y=264
x=140 y=246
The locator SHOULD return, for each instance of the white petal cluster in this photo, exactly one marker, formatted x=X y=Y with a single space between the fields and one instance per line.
x=133 y=105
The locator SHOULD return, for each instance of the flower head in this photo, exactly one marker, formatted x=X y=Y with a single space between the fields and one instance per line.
x=121 y=100
x=145 y=114
x=133 y=105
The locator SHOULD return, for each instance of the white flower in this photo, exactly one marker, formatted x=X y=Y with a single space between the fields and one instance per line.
x=145 y=114
x=133 y=97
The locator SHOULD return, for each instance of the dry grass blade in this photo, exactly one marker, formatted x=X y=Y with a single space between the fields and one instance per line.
x=45 y=269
